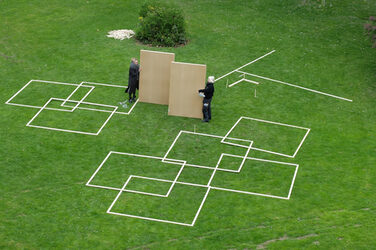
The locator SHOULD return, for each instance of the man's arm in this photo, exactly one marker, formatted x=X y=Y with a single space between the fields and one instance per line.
x=203 y=90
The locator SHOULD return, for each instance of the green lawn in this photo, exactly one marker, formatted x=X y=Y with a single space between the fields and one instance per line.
x=44 y=202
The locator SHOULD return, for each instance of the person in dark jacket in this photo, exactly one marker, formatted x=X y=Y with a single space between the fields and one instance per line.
x=208 y=92
x=133 y=79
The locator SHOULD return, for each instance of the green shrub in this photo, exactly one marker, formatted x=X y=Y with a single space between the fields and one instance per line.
x=161 y=25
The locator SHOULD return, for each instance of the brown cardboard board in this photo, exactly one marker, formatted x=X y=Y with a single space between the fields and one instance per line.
x=155 y=76
x=185 y=81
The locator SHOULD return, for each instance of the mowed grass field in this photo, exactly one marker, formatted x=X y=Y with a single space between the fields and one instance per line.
x=44 y=202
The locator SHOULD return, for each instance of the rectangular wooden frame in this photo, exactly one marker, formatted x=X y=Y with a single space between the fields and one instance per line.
x=155 y=76
x=185 y=81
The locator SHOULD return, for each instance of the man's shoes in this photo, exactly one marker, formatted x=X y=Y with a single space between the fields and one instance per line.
x=130 y=100
x=205 y=120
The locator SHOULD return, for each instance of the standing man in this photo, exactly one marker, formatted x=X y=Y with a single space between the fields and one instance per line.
x=133 y=79
x=208 y=92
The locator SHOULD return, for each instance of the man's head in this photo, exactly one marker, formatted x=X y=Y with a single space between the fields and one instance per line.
x=134 y=60
x=211 y=79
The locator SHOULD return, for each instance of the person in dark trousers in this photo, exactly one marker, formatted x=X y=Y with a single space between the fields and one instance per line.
x=208 y=92
x=133 y=79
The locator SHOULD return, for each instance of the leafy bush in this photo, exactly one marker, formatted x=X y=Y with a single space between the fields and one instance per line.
x=161 y=25
x=371 y=29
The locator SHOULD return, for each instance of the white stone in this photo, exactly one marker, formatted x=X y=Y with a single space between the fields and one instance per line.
x=121 y=34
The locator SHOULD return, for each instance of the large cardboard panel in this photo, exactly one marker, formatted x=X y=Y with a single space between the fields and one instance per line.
x=155 y=76
x=185 y=81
